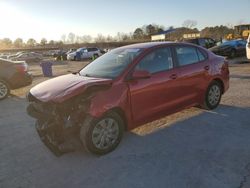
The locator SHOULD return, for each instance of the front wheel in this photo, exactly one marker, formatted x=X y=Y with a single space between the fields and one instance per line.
x=4 y=90
x=213 y=96
x=103 y=135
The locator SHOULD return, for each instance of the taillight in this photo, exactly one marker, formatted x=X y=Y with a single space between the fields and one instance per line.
x=225 y=66
x=22 y=67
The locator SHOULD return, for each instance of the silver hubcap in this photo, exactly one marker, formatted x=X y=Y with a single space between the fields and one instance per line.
x=105 y=133
x=3 y=90
x=214 y=95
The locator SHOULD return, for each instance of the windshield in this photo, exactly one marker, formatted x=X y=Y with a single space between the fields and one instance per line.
x=80 y=49
x=111 y=64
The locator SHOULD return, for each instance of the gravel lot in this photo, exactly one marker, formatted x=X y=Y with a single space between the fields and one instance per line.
x=190 y=149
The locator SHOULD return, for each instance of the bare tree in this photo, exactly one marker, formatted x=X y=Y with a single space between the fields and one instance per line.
x=43 y=41
x=63 y=38
x=109 y=38
x=189 y=24
x=71 y=38
x=138 y=34
x=31 y=42
x=100 y=38
x=51 y=42
x=86 y=38
x=5 y=43
x=18 y=43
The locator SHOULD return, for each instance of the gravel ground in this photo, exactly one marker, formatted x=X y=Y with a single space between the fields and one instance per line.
x=190 y=149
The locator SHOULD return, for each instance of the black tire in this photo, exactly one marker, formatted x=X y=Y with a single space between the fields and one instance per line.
x=233 y=53
x=210 y=104
x=4 y=90
x=86 y=133
x=96 y=56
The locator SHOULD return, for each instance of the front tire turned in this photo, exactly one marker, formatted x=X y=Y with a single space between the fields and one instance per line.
x=103 y=135
x=213 y=96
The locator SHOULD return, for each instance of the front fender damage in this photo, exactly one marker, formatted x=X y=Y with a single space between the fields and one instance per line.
x=58 y=124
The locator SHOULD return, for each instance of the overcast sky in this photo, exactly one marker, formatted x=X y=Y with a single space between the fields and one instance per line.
x=53 y=18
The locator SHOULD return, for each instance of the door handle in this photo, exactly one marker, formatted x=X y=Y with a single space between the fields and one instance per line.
x=173 y=76
x=207 y=67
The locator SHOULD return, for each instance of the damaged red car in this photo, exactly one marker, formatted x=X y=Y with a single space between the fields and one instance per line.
x=123 y=89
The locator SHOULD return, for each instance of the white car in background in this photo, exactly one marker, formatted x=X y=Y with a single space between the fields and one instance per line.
x=248 y=47
x=84 y=53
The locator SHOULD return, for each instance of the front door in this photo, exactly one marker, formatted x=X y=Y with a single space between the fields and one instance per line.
x=158 y=95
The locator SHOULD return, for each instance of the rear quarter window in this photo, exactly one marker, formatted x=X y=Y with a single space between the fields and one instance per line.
x=187 y=55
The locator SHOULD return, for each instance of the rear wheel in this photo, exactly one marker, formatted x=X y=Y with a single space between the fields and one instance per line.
x=233 y=53
x=4 y=90
x=103 y=135
x=96 y=56
x=213 y=96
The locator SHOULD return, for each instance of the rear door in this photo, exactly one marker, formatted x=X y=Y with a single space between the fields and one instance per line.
x=85 y=54
x=193 y=68
x=159 y=94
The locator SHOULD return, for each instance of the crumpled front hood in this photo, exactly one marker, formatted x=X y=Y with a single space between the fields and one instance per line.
x=64 y=87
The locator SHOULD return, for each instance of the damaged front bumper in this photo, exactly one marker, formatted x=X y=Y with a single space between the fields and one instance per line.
x=58 y=125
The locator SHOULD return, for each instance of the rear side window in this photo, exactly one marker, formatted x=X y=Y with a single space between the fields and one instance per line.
x=187 y=55
x=201 y=56
x=92 y=49
x=157 y=61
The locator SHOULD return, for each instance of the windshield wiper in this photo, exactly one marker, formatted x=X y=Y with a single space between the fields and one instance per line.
x=87 y=75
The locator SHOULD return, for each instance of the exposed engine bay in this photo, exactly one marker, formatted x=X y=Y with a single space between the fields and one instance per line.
x=58 y=125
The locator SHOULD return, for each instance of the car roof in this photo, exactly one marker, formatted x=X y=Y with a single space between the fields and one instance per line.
x=155 y=44
x=148 y=44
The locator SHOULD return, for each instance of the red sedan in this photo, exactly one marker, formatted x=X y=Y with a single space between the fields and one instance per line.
x=123 y=89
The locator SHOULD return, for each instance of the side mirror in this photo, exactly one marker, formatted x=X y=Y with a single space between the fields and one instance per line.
x=141 y=74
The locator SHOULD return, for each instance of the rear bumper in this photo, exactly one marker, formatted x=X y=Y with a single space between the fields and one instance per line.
x=21 y=80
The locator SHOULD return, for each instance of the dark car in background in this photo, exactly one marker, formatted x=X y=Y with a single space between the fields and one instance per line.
x=13 y=75
x=204 y=42
x=29 y=57
x=231 y=48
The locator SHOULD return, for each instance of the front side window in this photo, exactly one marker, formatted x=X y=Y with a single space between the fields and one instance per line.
x=111 y=64
x=188 y=55
x=157 y=61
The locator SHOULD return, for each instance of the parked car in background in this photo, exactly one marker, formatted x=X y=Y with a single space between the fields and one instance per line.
x=248 y=47
x=13 y=75
x=60 y=55
x=204 y=42
x=4 y=56
x=15 y=55
x=71 y=51
x=28 y=57
x=84 y=53
x=125 y=88
x=231 y=48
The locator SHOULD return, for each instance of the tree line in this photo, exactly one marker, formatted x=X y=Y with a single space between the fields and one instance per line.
x=142 y=33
